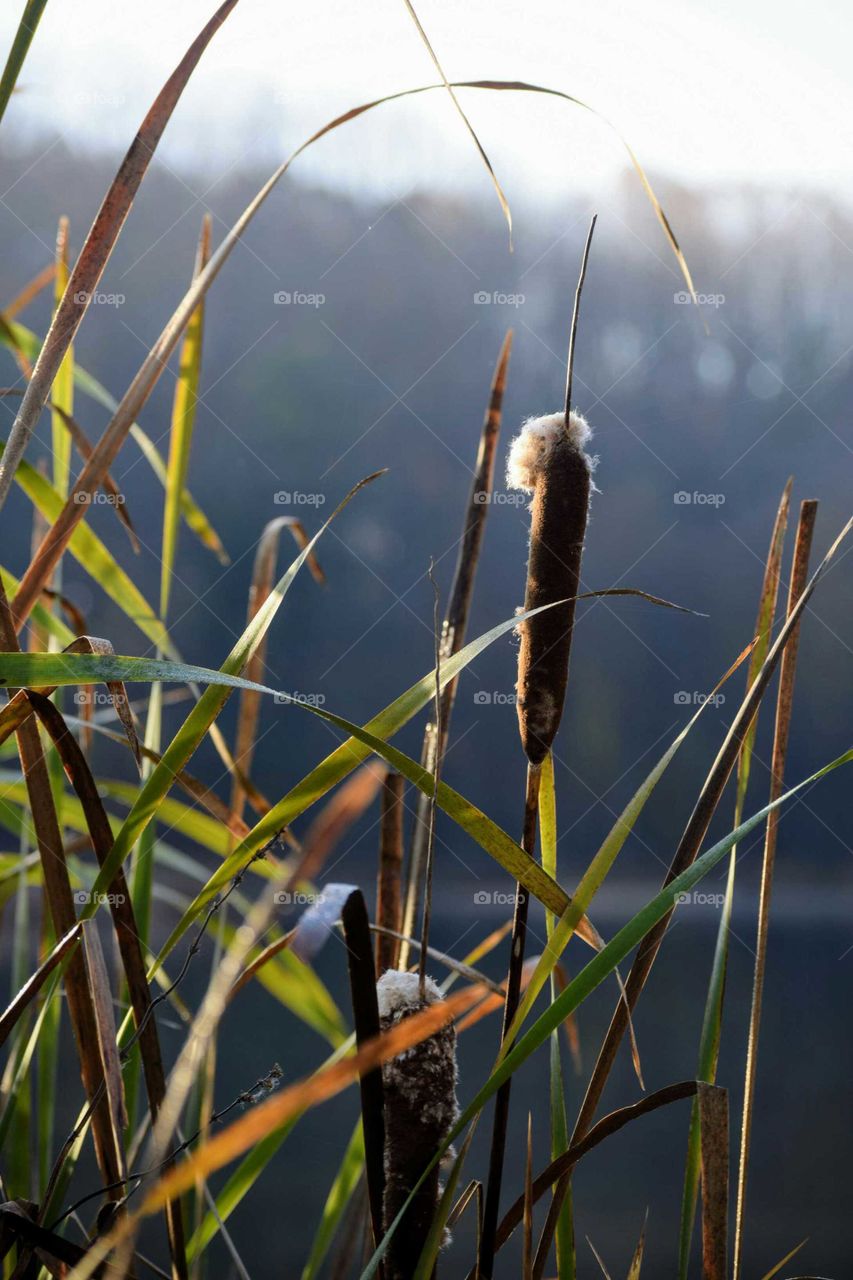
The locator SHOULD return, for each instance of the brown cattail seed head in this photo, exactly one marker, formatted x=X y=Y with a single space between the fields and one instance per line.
x=420 y=1109
x=547 y=459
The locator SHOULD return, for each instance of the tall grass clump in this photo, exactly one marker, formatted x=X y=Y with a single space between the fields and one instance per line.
x=107 y=918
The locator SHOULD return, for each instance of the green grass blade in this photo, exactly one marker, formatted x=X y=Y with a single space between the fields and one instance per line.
x=20 y=47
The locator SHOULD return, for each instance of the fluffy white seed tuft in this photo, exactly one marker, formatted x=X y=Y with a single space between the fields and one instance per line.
x=400 y=993
x=530 y=449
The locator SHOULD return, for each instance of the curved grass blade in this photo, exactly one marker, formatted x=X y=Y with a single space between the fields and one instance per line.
x=606 y=1127
x=152 y=367
x=18 y=708
x=99 y=244
x=453 y=98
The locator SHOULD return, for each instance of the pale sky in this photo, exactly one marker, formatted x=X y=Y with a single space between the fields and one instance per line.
x=703 y=90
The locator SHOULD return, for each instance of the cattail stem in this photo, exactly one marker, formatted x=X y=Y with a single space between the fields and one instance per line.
x=388 y=907
x=420 y=1108
x=513 y=993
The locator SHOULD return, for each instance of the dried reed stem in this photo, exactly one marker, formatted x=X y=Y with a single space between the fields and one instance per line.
x=455 y=626
x=784 y=702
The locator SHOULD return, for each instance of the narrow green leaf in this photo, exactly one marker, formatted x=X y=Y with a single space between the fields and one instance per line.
x=18 y=52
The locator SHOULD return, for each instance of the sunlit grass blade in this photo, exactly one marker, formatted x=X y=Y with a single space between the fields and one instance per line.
x=774 y=1271
x=62 y=391
x=183 y=421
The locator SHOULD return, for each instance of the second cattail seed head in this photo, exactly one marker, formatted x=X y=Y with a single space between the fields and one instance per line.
x=548 y=459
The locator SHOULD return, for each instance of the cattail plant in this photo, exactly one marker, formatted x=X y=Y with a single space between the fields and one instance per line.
x=546 y=459
x=420 y=1108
